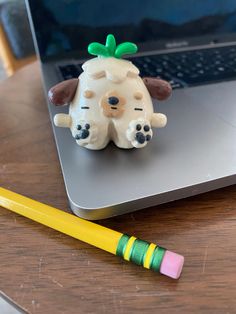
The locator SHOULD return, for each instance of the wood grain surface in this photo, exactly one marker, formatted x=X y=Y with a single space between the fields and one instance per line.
x=47 y=272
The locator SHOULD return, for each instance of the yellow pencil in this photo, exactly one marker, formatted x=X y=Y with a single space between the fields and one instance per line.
x=130 y=248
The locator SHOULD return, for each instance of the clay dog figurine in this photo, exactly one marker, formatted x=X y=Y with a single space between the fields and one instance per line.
x=110 y=101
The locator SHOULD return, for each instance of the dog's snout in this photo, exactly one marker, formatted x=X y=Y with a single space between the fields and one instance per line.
x=113 y=100
x=113 y=104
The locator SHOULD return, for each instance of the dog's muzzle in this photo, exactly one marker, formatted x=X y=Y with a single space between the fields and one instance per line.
x=112 y=105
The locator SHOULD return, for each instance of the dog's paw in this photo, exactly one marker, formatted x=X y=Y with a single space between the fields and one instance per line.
x=139 y=132
x=85 y=133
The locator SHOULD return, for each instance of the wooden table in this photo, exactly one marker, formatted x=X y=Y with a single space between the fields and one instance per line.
x=47 y=272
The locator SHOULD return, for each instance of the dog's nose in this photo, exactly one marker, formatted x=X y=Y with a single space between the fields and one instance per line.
x=113 y=100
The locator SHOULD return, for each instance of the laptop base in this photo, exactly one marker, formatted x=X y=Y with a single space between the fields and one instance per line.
x=194 y=153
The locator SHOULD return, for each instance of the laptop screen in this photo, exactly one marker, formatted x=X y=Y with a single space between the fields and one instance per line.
x=70 y=25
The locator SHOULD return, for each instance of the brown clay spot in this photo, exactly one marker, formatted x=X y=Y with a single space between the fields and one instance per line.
x=138 y=95
x=112 y=111
x=88 y=94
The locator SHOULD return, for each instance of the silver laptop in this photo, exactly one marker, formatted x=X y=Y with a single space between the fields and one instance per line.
x=192 y=44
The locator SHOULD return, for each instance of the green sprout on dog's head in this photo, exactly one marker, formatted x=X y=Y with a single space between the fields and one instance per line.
x=110 y=49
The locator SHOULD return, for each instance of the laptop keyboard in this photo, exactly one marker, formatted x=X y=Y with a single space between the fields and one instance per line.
x=181 y=69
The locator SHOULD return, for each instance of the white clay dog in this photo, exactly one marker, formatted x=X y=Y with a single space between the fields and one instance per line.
x=110 y=101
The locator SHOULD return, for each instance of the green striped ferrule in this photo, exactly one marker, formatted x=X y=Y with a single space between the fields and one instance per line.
x=140 y=252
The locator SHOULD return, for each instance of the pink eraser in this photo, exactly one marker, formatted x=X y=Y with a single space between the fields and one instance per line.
x=172 y=264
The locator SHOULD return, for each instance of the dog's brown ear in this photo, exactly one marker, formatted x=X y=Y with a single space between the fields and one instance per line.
x=157 y=88
x=63 y=93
